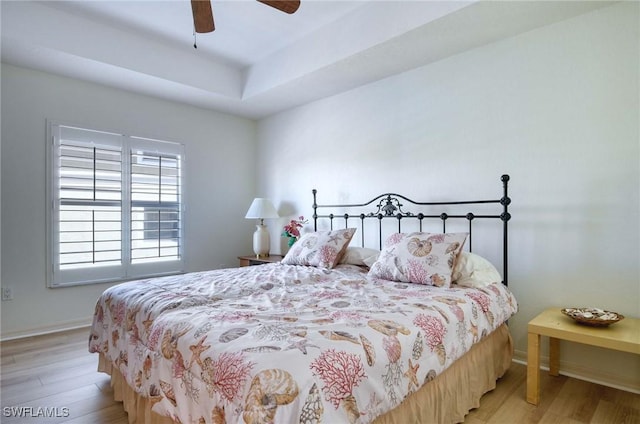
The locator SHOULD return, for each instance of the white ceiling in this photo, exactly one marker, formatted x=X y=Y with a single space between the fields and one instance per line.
x=258 y=61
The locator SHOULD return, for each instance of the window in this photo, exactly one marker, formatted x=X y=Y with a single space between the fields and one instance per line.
x=116 y=206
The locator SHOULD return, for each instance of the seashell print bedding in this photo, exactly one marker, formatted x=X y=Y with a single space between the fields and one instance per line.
x=286 y=343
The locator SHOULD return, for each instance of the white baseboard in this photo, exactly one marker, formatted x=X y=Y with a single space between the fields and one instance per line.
x=47 y=329
x=580 y=372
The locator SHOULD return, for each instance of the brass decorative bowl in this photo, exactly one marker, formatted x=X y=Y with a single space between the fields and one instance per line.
x=595 y=317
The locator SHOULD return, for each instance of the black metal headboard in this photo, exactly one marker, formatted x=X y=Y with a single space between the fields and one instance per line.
x=390 y=205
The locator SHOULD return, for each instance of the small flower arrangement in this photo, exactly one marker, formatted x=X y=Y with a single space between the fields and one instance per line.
x=292 y=229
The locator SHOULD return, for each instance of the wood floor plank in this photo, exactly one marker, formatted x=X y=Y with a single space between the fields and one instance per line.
x=25 y=380
x=104 y=383
x=30 y=393
x=112 y=414
x=39 y=369
x=58 y=371
x=615 y=413
x=81 y=370
x=43 y=356
x=46 y=341
x=550 y=387
x=512 y=410
x=492 y=401
x=84 y=398
x=621 y=397
x=551 y=418
x=7 y=360
x=577 y=400
x=77 y=410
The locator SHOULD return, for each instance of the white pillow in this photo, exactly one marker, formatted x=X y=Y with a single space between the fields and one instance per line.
x=361 y=256
x=473 y=270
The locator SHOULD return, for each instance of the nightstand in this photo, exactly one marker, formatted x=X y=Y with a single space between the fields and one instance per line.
x=623 y=336
x=253 y=260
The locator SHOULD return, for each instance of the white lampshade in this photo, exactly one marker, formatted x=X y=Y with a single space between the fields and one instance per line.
x=260 y=209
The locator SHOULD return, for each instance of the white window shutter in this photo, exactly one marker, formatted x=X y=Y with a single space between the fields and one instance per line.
x=116 y=209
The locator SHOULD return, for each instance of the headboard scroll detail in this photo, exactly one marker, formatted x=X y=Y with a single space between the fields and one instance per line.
x=392 y=205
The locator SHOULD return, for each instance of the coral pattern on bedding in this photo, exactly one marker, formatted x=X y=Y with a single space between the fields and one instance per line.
x=285 y=343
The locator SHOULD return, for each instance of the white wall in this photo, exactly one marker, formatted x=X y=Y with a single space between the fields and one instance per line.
x=556 y=108
x=220 y=184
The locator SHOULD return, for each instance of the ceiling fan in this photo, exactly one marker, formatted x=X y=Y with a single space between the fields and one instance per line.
x=203 y=15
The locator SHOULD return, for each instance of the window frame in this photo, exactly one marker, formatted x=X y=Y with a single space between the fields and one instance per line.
x=126 y=269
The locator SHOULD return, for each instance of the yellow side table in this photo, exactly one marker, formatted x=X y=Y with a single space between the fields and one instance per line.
x=623 y=335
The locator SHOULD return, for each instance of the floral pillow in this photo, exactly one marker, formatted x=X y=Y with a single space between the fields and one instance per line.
x=323 y=249
x=422 y=258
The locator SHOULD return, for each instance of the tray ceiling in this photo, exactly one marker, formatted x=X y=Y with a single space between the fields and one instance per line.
x=258 y=61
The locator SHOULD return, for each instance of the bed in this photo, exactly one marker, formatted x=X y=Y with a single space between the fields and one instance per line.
x=413 y=330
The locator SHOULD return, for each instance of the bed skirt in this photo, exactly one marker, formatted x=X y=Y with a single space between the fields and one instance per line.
x=446 y=399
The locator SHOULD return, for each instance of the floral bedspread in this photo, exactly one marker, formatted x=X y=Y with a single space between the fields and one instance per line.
x=288 y=344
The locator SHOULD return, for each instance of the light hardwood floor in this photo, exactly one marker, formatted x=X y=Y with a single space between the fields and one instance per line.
x=57 y=371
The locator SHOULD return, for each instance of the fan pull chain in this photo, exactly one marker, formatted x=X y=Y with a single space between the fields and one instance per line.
x=195 y=43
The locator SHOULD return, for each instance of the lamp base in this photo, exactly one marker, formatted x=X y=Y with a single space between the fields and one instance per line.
x=261 y=241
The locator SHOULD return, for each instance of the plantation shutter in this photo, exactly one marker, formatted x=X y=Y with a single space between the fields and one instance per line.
x=116 y=206
x=88 y=205
x=156 y=200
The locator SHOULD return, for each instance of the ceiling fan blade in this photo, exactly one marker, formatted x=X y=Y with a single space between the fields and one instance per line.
x=285 y=6
x=202 y=16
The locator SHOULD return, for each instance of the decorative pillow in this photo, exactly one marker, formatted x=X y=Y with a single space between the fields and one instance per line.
x=361 y=256
x=473 y=270
x=423 y=258
x=323 y=249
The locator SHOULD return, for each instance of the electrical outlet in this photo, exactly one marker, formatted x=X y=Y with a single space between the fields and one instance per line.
x=7 y=293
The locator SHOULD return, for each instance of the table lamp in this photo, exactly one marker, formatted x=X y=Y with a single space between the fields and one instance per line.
x=261 y=209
